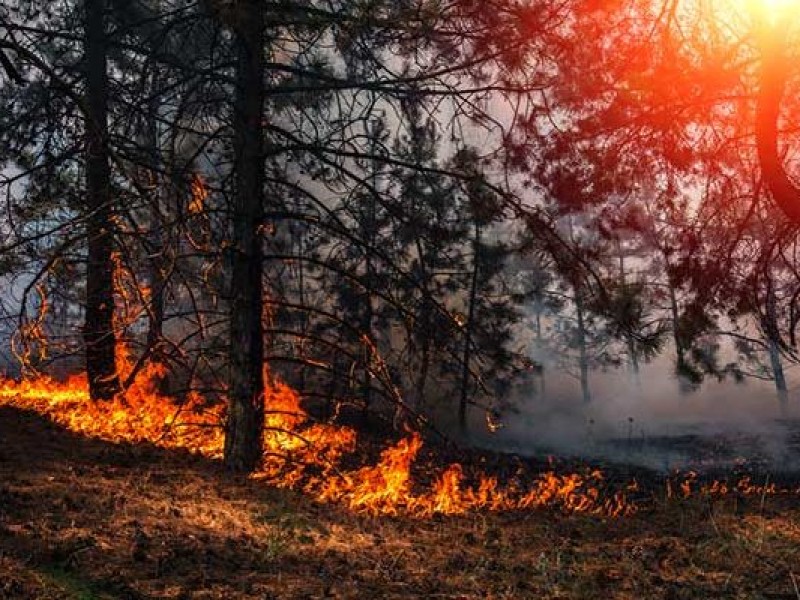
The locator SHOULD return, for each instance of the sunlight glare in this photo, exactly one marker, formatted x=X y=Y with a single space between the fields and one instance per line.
x=773 y=11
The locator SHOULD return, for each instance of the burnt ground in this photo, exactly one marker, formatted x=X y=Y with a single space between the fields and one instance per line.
x=769 y=448
x=87 y=519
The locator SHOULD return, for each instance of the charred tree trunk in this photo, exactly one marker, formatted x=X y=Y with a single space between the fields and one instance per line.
x=633 y=354
x=780 y=378
x=467 y=357
x=156 y=237
x=773 y=347
x=368 y=314
x=538 y=376
x=422 y=378
x=630 y=342
x=424 y=354
x=680 y=351
x=157 y=284
x=583 y=352
x=424 y=327
x=243 y=444
x=98 y=329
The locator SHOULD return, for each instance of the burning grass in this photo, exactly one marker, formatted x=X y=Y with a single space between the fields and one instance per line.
x=309 y=456
x=298 y=454
x=83 y=518
x=316 y=458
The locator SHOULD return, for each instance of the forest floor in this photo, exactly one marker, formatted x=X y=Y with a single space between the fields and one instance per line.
x=84 y=519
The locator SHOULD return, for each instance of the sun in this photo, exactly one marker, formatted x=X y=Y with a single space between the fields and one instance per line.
x=738 y=17
x=741 y=15
x=778 y=5
x=773 y=10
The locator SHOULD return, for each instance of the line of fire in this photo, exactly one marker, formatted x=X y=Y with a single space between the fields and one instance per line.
x=399 y=299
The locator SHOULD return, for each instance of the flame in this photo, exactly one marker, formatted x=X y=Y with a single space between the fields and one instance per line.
x=29 y=343
x=381 y=489
x=447 y=494
x=300 y=454
x=308 y=456
x=199 y=190
x=303 y=455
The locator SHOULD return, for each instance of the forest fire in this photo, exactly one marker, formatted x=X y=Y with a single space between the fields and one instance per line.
x=302 y=455
x=298 y=453
x=308 y=456
x=462 y=287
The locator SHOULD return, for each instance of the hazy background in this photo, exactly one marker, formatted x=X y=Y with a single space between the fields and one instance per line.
x=653 y=422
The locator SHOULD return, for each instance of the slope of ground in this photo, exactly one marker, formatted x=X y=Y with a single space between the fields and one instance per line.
x=82 y=519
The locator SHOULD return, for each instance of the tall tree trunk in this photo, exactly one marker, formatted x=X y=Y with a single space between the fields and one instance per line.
x=368 y=315
x=633 y=355
x=773 y=345
x=304 y=315
x=422 y=376
x=583 y=352
x=538 y=375
x=467 y=357
x=780 y=378
x=635 y=369
x=423 y=329
x=243 y=443
x=680 y=351
x=98 y=329
x=156 y=241
x=424 y=354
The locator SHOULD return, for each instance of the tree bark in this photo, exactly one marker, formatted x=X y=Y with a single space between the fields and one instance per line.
x=473 y=298
x=156 y=237
x=423 y=333
x=583 y=352
x=243 y=439
x=773 y=345
x=368 y=315
x=680 y=351
x=98 y=329
x=781 y=389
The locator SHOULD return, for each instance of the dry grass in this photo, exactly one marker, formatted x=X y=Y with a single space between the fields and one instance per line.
x=86 y=519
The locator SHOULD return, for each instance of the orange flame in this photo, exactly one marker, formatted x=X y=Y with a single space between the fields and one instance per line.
x=308 y=456
x=299 y=454
x=200 y=193
x=29 y=344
